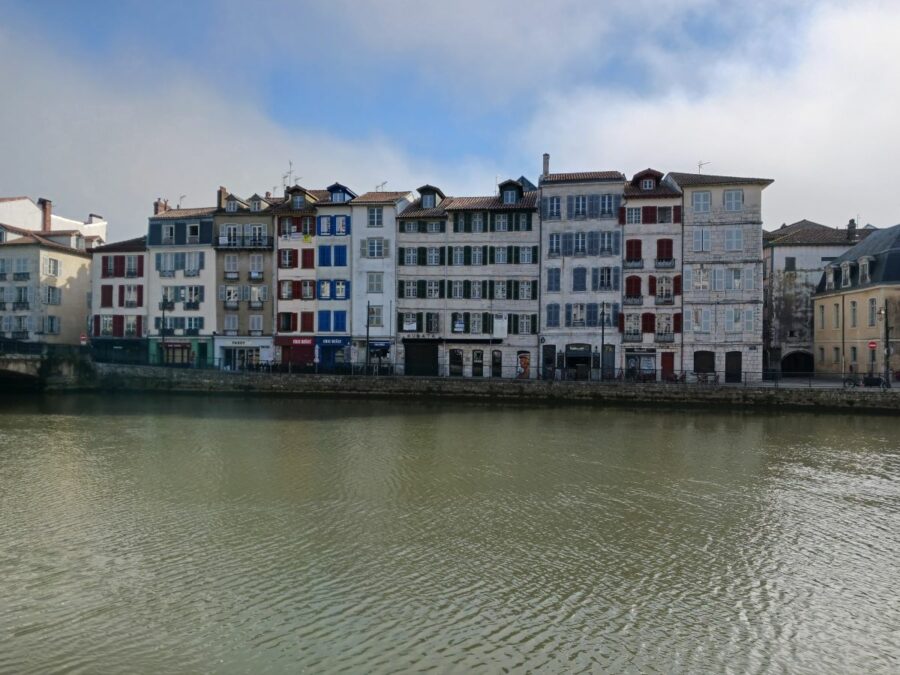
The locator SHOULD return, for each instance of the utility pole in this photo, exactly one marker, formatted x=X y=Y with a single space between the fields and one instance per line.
x=368 y=317
x=602 y=340
x=887 y=346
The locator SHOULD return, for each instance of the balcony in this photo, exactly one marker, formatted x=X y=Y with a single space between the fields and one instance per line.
x=168 y=241
x=21 y=276
x=232 y=275
x=632 y=336
x=665 y=337
x=131 y=274
x=193 y=239
x=633 y=300
x=20 y=335
x=191 y=305
x=255 y=275
x=166 y=331
x=20 y=305
x=664 y=263
x=664 y=300
x=232 y=304
x=633 y=264
x=167 y=305
x=256 y=333
x=131 y=304
x=167 y=273
x=244 y=242
x=230 y=333
x=256 y=304
x=192 y=331
x=192 y=273
x=2 y=276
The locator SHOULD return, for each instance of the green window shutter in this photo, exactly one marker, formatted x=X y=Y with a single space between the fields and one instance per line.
x=490 y=259
x=516 y=256
x=534 y=289
x=484 y=288
x=423 y=227
x=512 y=289
x=514 y=324
x=458 y=222
x=490 y=289
x=442 y=288
x=534 y=255
x=400 y=291
x=468 y=225
x=510 y=252
x=422 y=255
x=528 y=221
x=419 y=322
x=534 y=324
x=443 y=258
x=467 y=289
x=420 y=288
x=401 y=257
x=490 y=221
x=484 y=255
x=467 y=255
x=399 y=321
x=443 y=226
x=466 y=318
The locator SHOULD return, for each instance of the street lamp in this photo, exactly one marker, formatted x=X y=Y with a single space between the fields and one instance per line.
x=883 y=316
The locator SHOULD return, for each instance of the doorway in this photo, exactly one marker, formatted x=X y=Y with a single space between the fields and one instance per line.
x=732 y=367
x=477 y=363
x=456 y=363
x=496 y=363
x=667 y=364
x=421 y=359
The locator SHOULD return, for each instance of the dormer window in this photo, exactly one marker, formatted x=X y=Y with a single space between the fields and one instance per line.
x=231 y=206
x=829 y=278
x=647 y=184
x=510 y=197
x=337 y=197
x=845 y=275
x=297 y=202
x=255 y=205
x=864 y=272
x=428 y=201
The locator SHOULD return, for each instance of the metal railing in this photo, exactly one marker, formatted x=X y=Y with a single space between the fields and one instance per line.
x=664 y=263
x=633 y=264
x=251 y=241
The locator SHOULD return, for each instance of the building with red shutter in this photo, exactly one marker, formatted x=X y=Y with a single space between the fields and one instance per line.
x=651 y=319
x=119 y=301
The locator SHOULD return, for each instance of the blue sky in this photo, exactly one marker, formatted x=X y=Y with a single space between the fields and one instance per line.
x=171 y=98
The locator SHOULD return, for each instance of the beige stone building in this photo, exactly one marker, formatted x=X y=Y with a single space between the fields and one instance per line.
x=857 y=307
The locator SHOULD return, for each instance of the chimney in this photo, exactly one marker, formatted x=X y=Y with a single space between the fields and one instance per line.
x=160 y=206
x=546 y=164
x=93 y=218
x=268 y=195
x=851 y=230
x=46 y=211
x=220 y=197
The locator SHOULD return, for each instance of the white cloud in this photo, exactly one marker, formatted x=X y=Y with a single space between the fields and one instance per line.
x=824 y=126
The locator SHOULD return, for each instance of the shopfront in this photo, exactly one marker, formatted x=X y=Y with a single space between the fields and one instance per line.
x=119 y=350
x=640 y=364
x=243 y=353
x=180 y=352
x=297 y=352
x=578 y=361
x=332 y=353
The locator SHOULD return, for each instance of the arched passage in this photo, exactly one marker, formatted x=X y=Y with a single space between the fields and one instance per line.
x=797 y=364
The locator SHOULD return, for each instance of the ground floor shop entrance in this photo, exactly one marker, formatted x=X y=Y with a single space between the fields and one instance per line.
x=640 y=366
x=578 y=361
x=421 y=358
x=733 y=369
x=332 y=354
x=240 y=358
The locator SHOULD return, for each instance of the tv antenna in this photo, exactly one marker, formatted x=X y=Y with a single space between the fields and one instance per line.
x=380 y=186
x=700 y=165
x=179 y=201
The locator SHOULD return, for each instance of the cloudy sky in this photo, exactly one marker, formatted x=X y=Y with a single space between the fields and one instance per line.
x=107 y=105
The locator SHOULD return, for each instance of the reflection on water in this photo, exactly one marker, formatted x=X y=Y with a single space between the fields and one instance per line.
x=185 y=534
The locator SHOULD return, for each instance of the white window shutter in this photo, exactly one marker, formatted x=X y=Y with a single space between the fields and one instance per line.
x=387 y=248
x=363 y=248
x=748 y=278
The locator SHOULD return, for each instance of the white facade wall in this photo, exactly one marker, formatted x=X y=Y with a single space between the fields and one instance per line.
x=206 y=278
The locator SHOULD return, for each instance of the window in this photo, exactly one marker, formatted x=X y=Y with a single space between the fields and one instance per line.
x=500 y=290
x=106 y=325
x=410 y=257
x=647 y=184
x=790 y=264
x=168 y=234
x=376 y=315
x=604 y=279
x=701 y=201
x=633 y=215
x=734 y=200
x=733 y=320
x=256 y=324
x=501 y=222
x=325 y=225
x=580 y=243
x=410 y=289
x=579 y=279
x=836 y=316
x=553 y=316
x=702 y=238
x=432 y=290
x=308 y=226
x=553 y=209
x=456 y=290
x=130 y=296
x=523 y=222
x=286 y=290
x=829 y=278
x=664 y=287
x=525 y=324
x=255 y=205
x=525 y=291
x=376 y=216
x=853 y=354
x=701 y=279
x=231 y=206
x=375 y=247
x=606 y=243
x=872 y=311
x=822 y=317
x=256 y=265
x=836 y=351
x=432 y=322
x=607 y=206
x=525 y=255
x=733 y=278
x=580 y=206
x=864 y=272
x=477 y=255
x=734 y=239
x=459 y=255
x=821 y=355
x=500 y=255
x=324 y=290
x=428 y=201
x=340 y=290
x=853 y=315
x=554 y=247
x=509 y=197
x=231 y=323
x=410 y=227
x=340 y=226
x=297 y=202
x=475 y=323
x=375 y=282
x=131 y=325
x=434 y=255
x=845 y=275
x=664 y=214
x=477 y=223
x=52 y=267
x=475 y=291
x=231 y=263
x=53 y=296
x=22 y=266
x=285 y=256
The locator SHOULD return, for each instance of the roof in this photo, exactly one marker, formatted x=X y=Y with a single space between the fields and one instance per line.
x=340 y=187
x=15 y=230
x=13 y=199
x=808 y=233
x=583 y=177
x=882 y=247
x=415 y=209
x=381 y=197
x=174 y=214
x=129 y=245
x=661 y=191
x=702 y=179
x=431 y=188
x=29 y=237
x=495 y=203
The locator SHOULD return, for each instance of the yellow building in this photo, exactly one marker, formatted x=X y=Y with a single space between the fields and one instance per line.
x=857 y=308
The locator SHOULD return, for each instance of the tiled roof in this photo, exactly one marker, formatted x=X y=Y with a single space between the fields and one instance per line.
x=33 y=238
x=12 y=199
x=528 y=201
x=883 y=247
x=415 y=209
x=129 y=245
x=583 y=177
x=320 y=195
x=661 y=191
x=173 y=214
x=380 y=197
x=808 y=233
x=699 y=179
x=15 y=230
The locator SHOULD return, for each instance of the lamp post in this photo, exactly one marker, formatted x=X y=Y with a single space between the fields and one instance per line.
x=368 y=321
x=602 y=341
x=883 y=315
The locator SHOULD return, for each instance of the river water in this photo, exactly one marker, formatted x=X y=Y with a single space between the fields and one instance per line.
x=191 y=534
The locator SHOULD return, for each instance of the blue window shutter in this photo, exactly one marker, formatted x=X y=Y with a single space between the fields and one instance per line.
x=615 y=314
x=158 y=261
x=341 y=321
x=593 y=206
x=324 y=321
x=593 y=242
x=348 y=224
x=347 y=289
x=592 y=314
x=324 y=256
x=617 y=202
x=568 y=314
x=544 y=207
x=617 y=243
x=616 y=278
x=340 y=256
x=595 y=278
x=202 y=260
x=570 y=206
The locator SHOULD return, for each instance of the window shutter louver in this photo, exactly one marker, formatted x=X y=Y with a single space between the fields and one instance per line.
x=442 y=288
x=544 y=207
x=363 y=247
x=616 y=278
x=442 y=252
x=652 y=285
x=534 y=324
x=621 y=322
x=96 y=324
x=121 y=296
x=595 y=278
x=570 y=206
x=422 y=255
x=419 y=322
x=568 y=314
x=676 y=285
x=467 y=289
x=648 y=215
x=676 y=323
x=401 y=256
x=401 y=290
x=534 y=255
x=534 y=289
x=104 y=269
x=676 y=214
x=621 y=215
x=467 y=255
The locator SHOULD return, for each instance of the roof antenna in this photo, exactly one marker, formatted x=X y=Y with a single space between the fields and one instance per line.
x=700 y=165
x=179 y=201
x=380 y=186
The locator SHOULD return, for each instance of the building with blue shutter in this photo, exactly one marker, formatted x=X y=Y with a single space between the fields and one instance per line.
x=181 y=286
x=581 y=272
x=467 y=283
x=333 y=279
x=244 y=243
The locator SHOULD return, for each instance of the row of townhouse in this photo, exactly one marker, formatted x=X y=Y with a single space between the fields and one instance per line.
x=585 y=274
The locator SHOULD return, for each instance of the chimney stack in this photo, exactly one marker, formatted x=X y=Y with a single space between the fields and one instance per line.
x=160 y=206
x=268 y=195
x=546 y=164
x=46 y=211
x=851 y=229
x=93 y=218
x=220 y=197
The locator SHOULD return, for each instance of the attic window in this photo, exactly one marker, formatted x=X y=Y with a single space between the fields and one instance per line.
x=428 y=201
x=510 y=197
x=255 y=205
x=337 y=196
x=829 y=278
x=845 y=275
x=864 y=272
x=647 y=184
x=297 y=201
x=231 y=206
